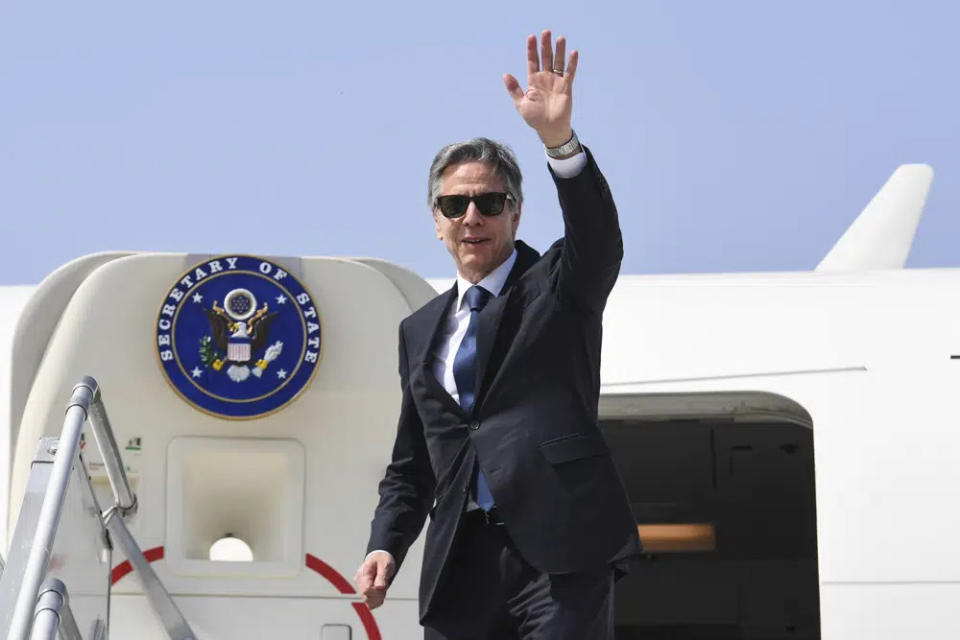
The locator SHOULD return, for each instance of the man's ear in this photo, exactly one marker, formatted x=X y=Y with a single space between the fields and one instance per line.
x=516 y=219
x=436 y=225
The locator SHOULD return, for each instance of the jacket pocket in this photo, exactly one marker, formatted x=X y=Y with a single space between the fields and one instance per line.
x=573 y=447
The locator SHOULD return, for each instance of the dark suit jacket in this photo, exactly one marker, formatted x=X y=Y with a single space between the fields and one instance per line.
x=534 y=427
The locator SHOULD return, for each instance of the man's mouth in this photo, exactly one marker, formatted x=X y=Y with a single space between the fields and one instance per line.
x=474 y=241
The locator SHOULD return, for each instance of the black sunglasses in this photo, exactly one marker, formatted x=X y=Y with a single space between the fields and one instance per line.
x=489 y=204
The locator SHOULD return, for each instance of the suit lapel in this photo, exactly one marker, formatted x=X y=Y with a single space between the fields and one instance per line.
x=492 y=314
x=428 y=328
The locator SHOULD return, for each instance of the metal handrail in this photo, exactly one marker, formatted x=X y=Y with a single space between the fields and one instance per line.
x=161 y=602
x=49 y=517
x=85 y=401
x=53 y=614
x=125 y=499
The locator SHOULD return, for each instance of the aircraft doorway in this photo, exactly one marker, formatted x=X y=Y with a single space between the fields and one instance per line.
x=727 y=511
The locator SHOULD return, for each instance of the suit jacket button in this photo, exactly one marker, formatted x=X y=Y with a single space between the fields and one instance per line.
x=475 y=425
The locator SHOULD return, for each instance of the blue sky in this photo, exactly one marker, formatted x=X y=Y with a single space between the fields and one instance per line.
x=736 y=136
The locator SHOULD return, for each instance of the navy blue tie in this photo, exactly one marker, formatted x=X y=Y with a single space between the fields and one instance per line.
x=465 y=374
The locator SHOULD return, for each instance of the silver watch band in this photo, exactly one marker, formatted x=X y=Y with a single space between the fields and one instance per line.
x=566 y=149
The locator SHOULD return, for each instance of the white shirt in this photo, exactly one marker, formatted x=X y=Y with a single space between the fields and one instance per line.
x=458 y=318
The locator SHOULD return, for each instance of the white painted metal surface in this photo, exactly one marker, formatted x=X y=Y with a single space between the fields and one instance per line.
x=881 y=236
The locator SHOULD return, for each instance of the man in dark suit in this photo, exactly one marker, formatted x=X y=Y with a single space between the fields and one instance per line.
x=498 y=438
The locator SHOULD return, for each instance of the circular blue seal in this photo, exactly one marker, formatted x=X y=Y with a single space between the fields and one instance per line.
x=238 y=337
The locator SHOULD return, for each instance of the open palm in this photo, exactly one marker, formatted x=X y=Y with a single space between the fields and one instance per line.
x=547 y=103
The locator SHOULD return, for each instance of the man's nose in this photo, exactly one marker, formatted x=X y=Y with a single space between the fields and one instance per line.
x=472 y=215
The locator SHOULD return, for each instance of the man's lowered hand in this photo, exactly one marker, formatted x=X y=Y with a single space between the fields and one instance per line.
x=374 y=576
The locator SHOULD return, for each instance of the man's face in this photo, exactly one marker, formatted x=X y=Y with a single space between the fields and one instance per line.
x=478 y=243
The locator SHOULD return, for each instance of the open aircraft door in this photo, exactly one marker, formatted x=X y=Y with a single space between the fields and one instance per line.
x=722 y=487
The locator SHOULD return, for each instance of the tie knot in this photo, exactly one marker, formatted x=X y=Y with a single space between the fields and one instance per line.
x=477 y=298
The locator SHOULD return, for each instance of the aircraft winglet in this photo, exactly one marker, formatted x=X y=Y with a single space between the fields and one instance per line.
x=881 y=236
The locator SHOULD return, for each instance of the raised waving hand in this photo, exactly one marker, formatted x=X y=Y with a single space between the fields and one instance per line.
x=547 y=103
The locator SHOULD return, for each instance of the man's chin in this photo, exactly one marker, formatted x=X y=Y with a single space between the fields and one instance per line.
x=481 y=262
x=475 y=266
x=475 y=261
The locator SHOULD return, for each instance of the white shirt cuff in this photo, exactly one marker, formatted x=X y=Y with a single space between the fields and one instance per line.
x=392 y=559
x=568 y=167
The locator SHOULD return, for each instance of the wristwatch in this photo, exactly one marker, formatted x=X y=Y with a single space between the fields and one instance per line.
x=566 y=149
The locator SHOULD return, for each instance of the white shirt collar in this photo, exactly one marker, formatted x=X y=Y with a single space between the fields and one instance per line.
x=493 y=282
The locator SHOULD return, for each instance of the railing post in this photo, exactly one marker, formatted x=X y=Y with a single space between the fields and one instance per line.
x=159 y=598
x=47 y=616
x=53 y=614
x=124 y=498
x=49 y=516
x=45 y=611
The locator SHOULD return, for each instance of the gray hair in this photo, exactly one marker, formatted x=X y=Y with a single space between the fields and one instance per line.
x=500 y=156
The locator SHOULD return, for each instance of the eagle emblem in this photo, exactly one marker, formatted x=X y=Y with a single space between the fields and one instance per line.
x=238 y=331
x=238 y=336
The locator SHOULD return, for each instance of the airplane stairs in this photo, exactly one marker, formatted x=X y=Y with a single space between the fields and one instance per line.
x=63 y=537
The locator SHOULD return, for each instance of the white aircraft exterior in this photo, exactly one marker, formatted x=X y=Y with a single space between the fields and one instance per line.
x=807 y=421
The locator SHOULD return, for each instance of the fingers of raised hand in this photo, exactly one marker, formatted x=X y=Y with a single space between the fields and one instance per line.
x=549 y=59
x=533 y=58
x=561 y=52
x=546 y=51
x=572 y=65
x=513 y=88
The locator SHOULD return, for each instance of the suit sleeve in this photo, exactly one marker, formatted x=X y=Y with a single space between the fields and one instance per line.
x=592 y=244
x=407 y=489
